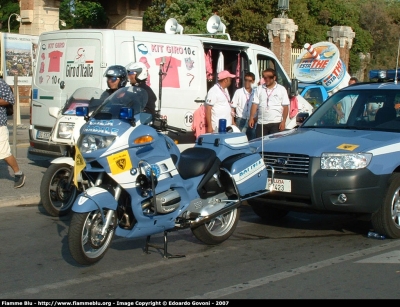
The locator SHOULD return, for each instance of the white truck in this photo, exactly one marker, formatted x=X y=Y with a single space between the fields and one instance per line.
x=69 y=59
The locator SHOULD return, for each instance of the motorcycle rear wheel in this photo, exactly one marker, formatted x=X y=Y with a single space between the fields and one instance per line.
x=86 y=243
x=219 y=229
x=56 y=193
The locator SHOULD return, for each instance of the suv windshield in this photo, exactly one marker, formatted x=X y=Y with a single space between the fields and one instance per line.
x=131 y=97
x=359 y=109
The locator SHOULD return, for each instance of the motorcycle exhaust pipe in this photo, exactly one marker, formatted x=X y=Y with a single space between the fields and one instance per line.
x=208 y=218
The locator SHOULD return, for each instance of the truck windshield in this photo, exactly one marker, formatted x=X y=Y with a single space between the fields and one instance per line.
x=130 y=97
x=358 y=109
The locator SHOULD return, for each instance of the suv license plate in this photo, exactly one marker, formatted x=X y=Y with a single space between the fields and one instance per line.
x=43 y=135
x=281 y=185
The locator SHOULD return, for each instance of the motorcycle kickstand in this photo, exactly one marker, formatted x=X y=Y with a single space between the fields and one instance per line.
x=166 y=255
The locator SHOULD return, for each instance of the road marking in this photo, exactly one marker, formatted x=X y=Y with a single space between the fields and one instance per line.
x=209 y=295
x=391 y=257
x=297 y=271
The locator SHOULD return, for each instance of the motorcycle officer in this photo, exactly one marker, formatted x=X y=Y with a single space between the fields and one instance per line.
x=116 y=78
x=137 y=75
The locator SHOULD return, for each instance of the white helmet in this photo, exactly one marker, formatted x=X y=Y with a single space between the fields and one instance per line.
x=139 y=69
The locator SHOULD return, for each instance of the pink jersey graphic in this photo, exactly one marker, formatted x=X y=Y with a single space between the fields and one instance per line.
x=171 y=79
x=54 y=65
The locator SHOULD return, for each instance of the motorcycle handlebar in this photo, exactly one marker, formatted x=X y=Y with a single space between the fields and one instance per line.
x=161 y=124
x=176 y=129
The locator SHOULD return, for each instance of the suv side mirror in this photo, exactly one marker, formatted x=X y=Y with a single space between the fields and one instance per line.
x=301 y=117
x=294 y=88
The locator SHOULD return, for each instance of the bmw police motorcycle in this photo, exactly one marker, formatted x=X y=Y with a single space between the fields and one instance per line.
x=145 y=186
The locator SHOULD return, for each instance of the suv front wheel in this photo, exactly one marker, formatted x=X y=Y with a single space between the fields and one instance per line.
x=386 y=220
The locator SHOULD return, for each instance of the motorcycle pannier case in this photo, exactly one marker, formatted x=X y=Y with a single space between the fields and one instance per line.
x=248 y=171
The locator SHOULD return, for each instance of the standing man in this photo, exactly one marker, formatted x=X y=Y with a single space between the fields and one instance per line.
x=344 y=106
x=272 y=102
x=241 y=102
x=218 y=103
x=6 y=98
x=137 y=75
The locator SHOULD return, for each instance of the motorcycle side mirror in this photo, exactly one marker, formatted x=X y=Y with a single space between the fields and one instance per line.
x=301 y=117
x=82 y=111
x=145 y=118
x=53 y=111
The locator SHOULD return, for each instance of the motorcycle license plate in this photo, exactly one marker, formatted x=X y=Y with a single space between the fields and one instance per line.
x=43 y=135
x=280 y=185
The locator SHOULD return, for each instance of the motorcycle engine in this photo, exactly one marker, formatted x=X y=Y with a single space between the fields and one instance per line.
x=166 y=202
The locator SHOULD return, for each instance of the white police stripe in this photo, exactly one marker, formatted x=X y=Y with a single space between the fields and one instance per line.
x=386 y=149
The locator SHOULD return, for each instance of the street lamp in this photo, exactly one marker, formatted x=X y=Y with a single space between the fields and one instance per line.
x=62 y=22
x=18 y=17
x=283 y=6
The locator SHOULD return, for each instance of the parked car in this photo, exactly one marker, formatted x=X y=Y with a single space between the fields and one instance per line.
x=336 y=165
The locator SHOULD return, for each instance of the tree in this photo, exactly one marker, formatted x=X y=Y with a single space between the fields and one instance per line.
x=381 y=18
x=83 y=14
x=191 y=14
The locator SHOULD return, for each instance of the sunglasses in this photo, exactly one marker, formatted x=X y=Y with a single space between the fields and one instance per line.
x=268 y=77
x=113 y=79
x=131 y=72
x=248 y=80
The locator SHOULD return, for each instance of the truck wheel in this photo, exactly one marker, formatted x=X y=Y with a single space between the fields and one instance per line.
x=267 y=213
x=386 y=220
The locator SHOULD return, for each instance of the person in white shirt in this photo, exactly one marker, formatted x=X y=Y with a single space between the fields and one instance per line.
x=218 y=103
x=343 y=108
x=270 y=105
x=241 y=102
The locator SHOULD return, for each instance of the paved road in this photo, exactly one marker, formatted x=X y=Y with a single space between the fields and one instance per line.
x=32 y=165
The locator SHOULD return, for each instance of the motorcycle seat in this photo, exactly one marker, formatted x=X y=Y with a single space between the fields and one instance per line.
x=195 y=162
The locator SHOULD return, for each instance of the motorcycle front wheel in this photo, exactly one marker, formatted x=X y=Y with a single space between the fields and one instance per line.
x=86 y=243
x=57 y=190
x=218 y=229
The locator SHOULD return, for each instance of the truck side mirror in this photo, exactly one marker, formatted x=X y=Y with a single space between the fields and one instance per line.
x=294 y=88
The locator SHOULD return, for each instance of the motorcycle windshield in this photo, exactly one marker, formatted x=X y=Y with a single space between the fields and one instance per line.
x=90 y=97
x=130 y=97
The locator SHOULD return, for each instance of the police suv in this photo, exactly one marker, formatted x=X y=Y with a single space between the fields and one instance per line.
x=344 y=157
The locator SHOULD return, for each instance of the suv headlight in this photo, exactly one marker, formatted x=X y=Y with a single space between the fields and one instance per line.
x=92 y=142
x=336 y=161
x=65 y=130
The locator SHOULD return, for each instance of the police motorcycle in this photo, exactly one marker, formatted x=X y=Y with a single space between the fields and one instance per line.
x=57 y=190
x=146 y=186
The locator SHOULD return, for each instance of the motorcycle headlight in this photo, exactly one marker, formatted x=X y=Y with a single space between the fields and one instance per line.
x=91 y=142
x=65 y=130
x=337 y=161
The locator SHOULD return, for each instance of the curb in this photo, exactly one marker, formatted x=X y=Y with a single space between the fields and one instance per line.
x=25 y=200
